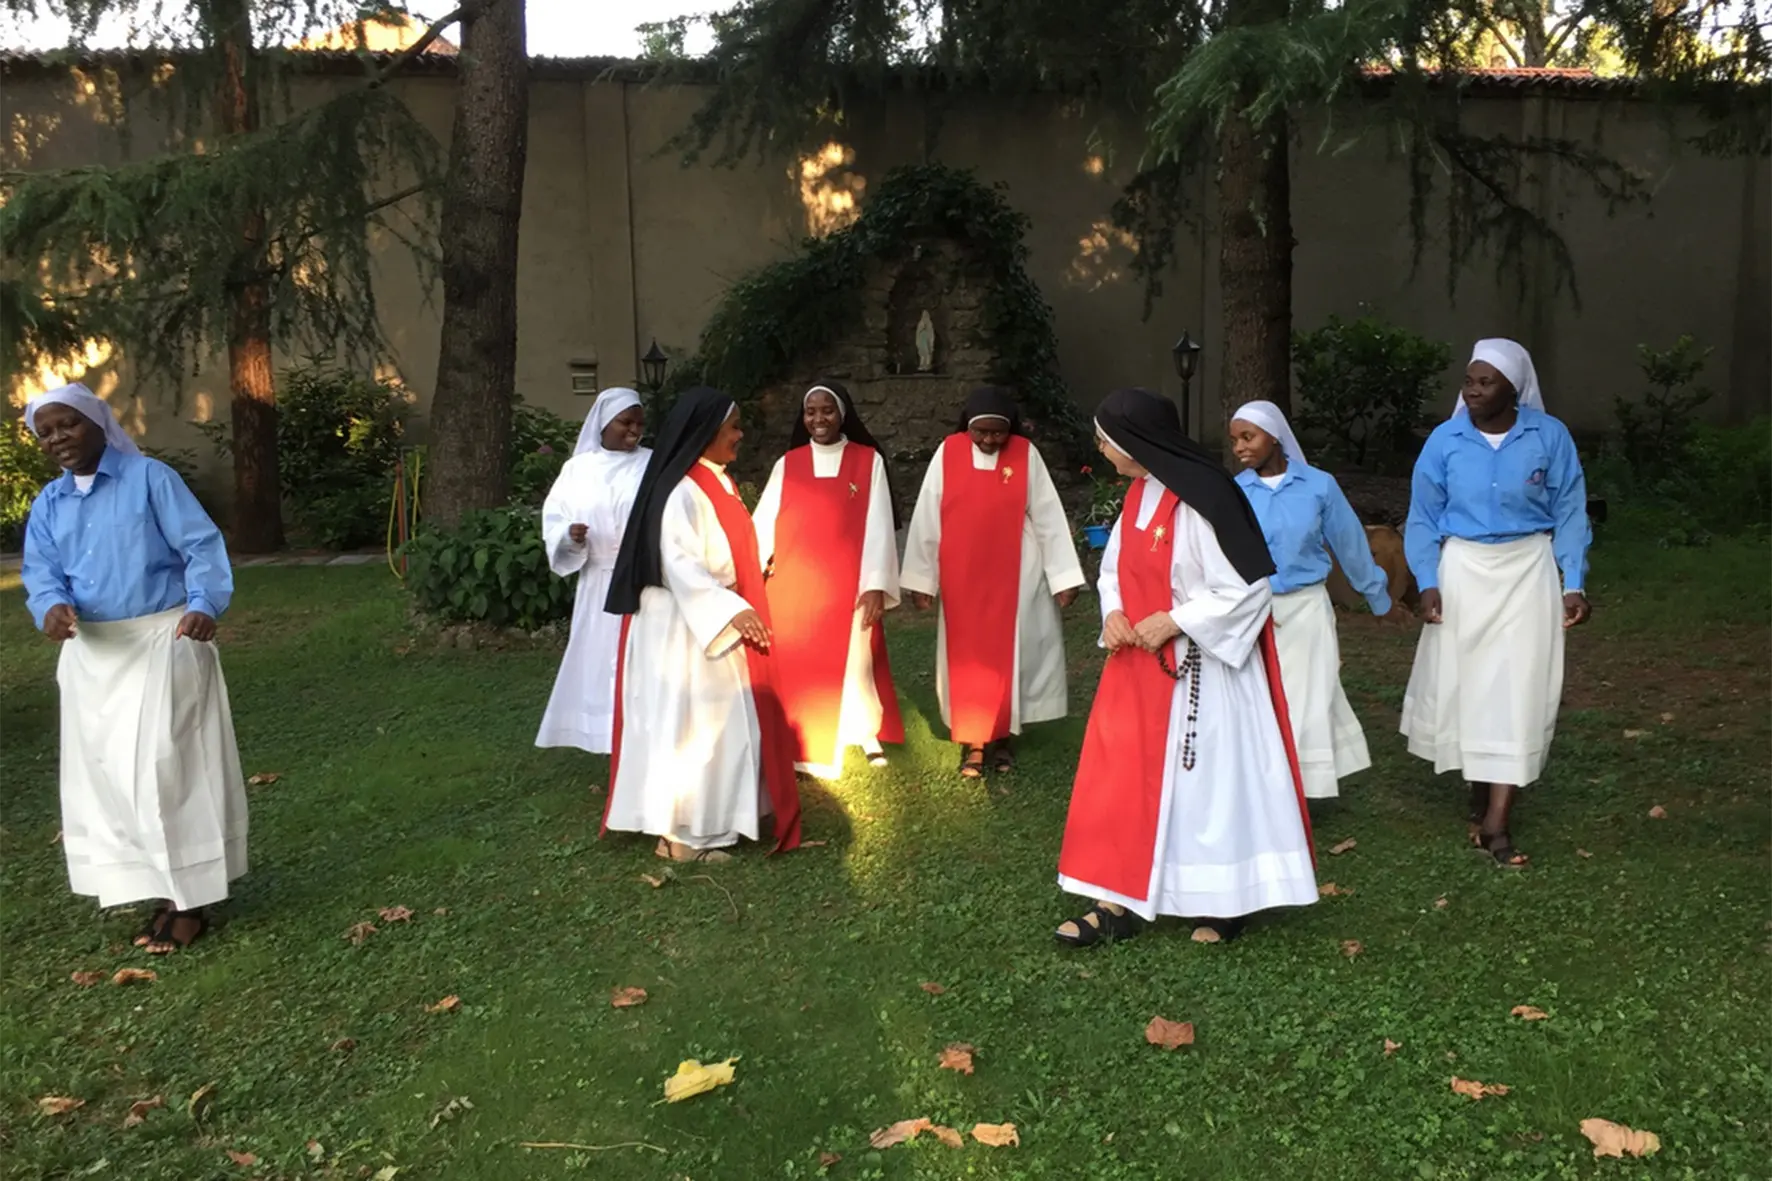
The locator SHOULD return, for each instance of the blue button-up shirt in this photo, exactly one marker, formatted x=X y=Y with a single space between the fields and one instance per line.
x=1305 y=519
x=1465 y=488
x=136 y=543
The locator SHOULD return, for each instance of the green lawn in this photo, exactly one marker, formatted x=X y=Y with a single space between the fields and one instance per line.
x=408 y=779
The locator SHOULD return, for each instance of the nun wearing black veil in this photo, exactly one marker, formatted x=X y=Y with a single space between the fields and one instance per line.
x=1188 y=799
x=702 y=749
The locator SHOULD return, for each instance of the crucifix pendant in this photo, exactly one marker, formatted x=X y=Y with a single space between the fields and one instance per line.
x=1157 y=536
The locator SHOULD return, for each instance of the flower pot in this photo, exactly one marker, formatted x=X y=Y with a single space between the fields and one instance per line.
x=1097 y=535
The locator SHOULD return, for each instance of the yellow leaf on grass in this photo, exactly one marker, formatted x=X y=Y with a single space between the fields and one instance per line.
x=395 y=914
x=1331 y=890
x=1338 y=850
x=655 y=882
x=358 y=932
x=134 y=976
x=1610 y=1139
x=1169 y=1034
x=626 y=998
x=957 y=1056
x=996 y=1135
x=1583 y=854
x=932 y=988
x=1658 y=813
x=87 y=979
x=1441 y=903
x=199 y=1102
x=448 y=1004
x=947 y=1136
x=244 y=1159
x=898 y=1133
x=1529 y=1013
x=263 y=779
x=692 y=1079
x=1473 y=1089
x=1391 y=1047
x=1633 y=733
x=138 y=1111
x=827 y=1159
x=1352 y=947
x=59 y=1104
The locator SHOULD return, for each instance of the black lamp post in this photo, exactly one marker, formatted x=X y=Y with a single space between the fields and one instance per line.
x=652 y=368
x=1187 y=362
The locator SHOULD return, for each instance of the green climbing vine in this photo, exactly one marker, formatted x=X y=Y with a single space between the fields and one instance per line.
x=793 y=309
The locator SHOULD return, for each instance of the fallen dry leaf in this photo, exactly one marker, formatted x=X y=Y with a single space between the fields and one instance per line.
x=344 y=1045
x=1331 y=890
x=358 y=932
x=1170 y=1035
x=651 y=880
x=996 y=1135
x=448 y=1004
x=1391 y=1047
x=263 y=779
x=827 y=1159
x=932 y=988
x=1338 y=850
x=1633 y=733
x=813 y=844
x=898 y=1133
x=57 y=838
x=244 y=1159
x=1476 y=1090
x=1667 y=717
x=626 y=998
x=692 y=1079
x=1610 y=1139
x=1352 y=947
x=1658 y=813
x=395 y=914
x=1529 y=1013
x=138 y=1111
x=441 y=912
x=87 y=979
x=1583 y=854
x=451 y=1109
x=957 y=1056
x=1441 y=903
x=59 y=1104
x=947 y=1136
x=135 y=976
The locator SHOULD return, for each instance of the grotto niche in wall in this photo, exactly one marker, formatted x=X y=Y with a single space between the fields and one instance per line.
x=923 y=298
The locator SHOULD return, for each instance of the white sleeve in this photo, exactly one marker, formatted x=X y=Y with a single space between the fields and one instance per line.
x=708 y=607
x=565 y=556
x=1052 y=530
x=879 y=548
x=768 y=510
x=1225 y=613
x=1107 y=585
x=922 y=548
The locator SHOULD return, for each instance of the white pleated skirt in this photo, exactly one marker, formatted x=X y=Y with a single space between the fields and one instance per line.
x=153 y=801
x=1487 y=681
x=1331 y=744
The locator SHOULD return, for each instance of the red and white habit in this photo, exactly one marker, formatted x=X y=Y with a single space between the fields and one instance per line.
x=825 y=520
x=1227 y=835
x=1000 y=641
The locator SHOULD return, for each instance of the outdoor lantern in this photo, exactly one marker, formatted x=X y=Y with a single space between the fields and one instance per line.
x=1187 y=358
x=652 y=367
x=1187 y=362
x=583 y=371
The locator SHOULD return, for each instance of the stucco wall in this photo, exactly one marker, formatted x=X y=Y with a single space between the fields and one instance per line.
x=622 y=244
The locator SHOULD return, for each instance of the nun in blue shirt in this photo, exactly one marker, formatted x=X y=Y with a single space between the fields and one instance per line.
x=124 y=569
x=1305 y=518
x=1497 y=539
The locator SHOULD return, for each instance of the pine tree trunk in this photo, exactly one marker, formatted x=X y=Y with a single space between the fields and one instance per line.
x=1255 y=246
x=258 y=493
x=469 y=463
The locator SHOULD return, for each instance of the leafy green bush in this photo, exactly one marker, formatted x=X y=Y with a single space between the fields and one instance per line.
x=24 y=469
x=492 y=569
x=1655 y=431
x=541 y=443
x=1361 y=385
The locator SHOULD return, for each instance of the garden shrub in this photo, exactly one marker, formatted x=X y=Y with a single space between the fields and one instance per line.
x=541 y=443
x=492 y=568
x=1361 y=385
x=1655 y=430
x=24 y=469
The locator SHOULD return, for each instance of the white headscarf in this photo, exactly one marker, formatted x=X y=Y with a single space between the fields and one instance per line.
x=1515 y=364
x=610 y=403
x=1271 y=419
x=91 y=407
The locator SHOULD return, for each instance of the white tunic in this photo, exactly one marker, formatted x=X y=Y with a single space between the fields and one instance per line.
x=862 y=711
x=596 y=490
x=1230 y=839
x=153 y=802
x=690 y=745
x=1049 y=565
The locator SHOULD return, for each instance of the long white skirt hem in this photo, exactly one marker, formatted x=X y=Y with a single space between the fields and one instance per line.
x=1331 y=744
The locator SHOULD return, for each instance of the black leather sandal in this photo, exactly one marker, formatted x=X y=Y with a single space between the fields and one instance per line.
x=167 y=943
x=154 y=929
x=1500 y=846
x=1107 y=927
x=968 y=768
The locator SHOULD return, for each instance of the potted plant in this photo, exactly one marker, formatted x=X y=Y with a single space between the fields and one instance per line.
x=1105 y=500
